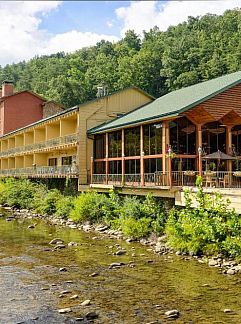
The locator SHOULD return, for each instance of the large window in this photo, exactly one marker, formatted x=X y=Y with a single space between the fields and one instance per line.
x=132 y=141
x=182 y=136
x=236 y=140
x=213 y=137
x=132 y=167
x=52 y=161
x=66 y=160
x=115 y=167
x=99 y=168
x=152 y=139
x=99 y=146
x=115 y=144
x=152 y=165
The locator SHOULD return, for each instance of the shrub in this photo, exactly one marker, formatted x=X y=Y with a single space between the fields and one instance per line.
x=88 y=206
x=136 y=228
x=49 y=202
x=18 y=193
x=211 y=228
x=64 y=206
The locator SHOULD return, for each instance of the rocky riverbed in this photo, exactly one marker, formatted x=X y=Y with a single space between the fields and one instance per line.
x=58 y=272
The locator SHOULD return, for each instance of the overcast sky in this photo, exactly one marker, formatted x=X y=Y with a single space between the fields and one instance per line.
x=29 y=28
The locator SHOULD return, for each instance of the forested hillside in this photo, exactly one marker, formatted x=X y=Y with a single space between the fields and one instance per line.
x=197 y=50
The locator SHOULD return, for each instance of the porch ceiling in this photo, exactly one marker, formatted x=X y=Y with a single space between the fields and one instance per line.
x=199 y=116
x=232 y=118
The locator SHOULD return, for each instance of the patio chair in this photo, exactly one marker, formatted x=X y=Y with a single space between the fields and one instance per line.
x=210 y=180
x=225 y=181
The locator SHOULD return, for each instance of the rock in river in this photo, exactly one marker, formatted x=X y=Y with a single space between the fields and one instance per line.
x=85 y=303
x=56 y=241
x=174 y=313
x=91 y=315
x=64 y=310
x=120 y=252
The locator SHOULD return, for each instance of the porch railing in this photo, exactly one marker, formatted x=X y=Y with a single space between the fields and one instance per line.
x=225 y=179
x=45 y=171
x=68 y=139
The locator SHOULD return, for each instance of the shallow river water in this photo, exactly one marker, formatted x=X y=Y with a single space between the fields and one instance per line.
x=31 y=283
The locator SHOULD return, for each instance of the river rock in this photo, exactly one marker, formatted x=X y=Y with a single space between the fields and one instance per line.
x=237 y=268
x=101 y=228
x=91 y=316
x=94 y=274
x=64 y=292
x=230 y=272
x=56 y=241
x=31 y=226
x=63 y=269
x=120 y=252
x=85 y=303
x=115 y=265
x=174 y=313
x=65 y=310
x=87 y=228
x=162 y=238
x=74 y=297
x=213 y=262
x=59 y=246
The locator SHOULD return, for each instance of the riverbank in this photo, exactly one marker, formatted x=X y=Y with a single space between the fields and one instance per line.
x=156 y=244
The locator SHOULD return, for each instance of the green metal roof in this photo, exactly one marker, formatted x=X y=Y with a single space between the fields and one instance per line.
x=173 y=103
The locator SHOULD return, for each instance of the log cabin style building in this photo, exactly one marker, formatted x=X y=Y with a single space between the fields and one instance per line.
x=137 y=144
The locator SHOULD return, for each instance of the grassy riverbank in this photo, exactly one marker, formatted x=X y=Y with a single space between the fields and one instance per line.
x=210 y=229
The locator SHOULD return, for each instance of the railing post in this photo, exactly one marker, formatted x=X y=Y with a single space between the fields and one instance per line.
x=142 y=157
x=122 y=157
x=106 y=157
x=91 y=169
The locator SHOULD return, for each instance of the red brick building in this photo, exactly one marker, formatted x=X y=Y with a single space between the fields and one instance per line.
x=22 y=108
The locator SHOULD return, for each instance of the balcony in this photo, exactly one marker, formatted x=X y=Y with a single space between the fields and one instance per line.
x=55 y=142
x=221 y=179
x=42 y=172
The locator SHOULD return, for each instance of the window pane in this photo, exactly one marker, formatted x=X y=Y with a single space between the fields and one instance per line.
x=115 y=167
x=99 y=146
x=66 y=160
x=99 y=168
x=132 y=167
x=115 y=144
x=132 y=141
x=152 y=139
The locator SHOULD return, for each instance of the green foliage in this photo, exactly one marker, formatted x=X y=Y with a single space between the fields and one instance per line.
x=17 y=193
x=64 y=206
x=49 y=202
x=136 y=228
x=200 y=49
x=210 y=228
x=88 y=207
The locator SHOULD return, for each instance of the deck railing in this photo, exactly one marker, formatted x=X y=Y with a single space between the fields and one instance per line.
x=221 y=179
x=68 y=139
x=44 y=171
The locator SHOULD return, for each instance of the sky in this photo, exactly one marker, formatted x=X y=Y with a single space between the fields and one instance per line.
x=30 y=28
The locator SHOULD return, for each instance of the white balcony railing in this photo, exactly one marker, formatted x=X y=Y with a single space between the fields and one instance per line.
x=58 y=141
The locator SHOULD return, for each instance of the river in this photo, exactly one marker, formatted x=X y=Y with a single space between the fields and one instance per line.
x=33 y=288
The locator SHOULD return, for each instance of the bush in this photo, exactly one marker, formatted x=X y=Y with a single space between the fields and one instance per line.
x=49 y=202
x=64 y=206
x=210 y=229
x=136 y=228
x=18 y=193
x=89 y=207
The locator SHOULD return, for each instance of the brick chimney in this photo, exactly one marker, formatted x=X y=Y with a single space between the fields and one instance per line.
x=7 y=88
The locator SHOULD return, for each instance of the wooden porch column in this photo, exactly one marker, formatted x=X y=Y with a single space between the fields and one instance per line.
x=142 y=156
x=229 y=145
x=199 y=145
x=91 y=169
x=164 y=145
x=106 y=157
x=122 y=156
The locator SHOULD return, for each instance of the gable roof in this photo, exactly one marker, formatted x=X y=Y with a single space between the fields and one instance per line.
x=20 y=92
x=173 y=103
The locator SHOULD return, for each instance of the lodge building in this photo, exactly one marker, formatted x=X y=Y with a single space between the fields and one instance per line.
x=137 y=144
